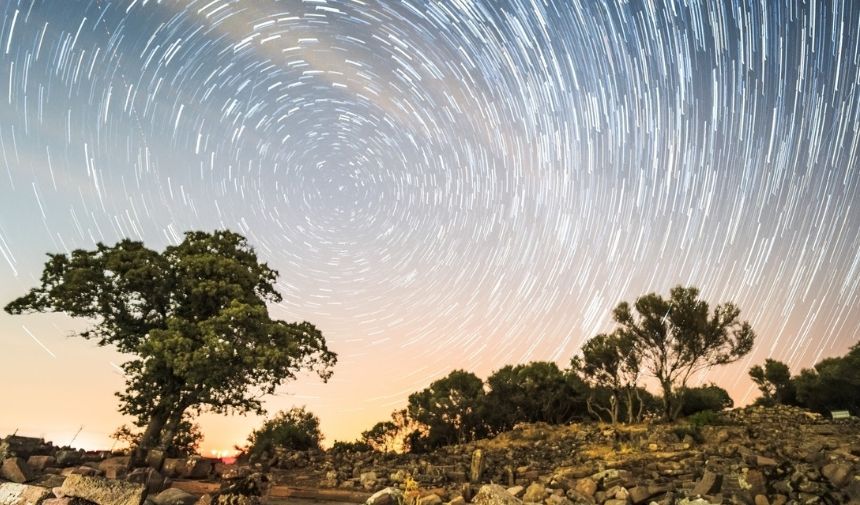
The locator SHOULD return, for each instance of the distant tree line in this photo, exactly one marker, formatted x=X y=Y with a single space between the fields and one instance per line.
x=666 y=339
x=832 y=384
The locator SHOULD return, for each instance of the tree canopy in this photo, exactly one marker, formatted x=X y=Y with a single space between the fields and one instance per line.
x=194 y=318
x=681 y=335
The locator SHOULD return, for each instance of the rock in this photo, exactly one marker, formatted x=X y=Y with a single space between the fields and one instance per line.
x=173 y=496
x=535 y=493
x=12 y=493
x=16 y=470
x=67 y=500
x=457 y=500
x=639 y=494
x=476 y=468
x=765 y=461
x=615 y=501
x=151 y=479
x=330 y=479
x=173 y=467
x=387 y=496
x=40 y=462
x=116 y=467
x=68 y=457
x=196 y=467
x=155 y=459
x=754 y=482
x=516 y=491
x=710 y=483
x=837 y=473
x=430 y=499
x=494 y=494
x=555 y=499
x=103 y=491
x=368 y=480
x=586 y=486
x=761 y=499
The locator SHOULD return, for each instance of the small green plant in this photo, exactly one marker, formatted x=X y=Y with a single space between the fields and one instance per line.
x=295 y=429
x=705 y=418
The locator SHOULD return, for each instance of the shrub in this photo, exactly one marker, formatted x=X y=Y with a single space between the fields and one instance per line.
x=296 y=429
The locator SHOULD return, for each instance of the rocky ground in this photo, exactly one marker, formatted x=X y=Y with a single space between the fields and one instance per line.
x=759 y=456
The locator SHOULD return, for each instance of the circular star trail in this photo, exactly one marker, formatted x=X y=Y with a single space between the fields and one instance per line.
x=446 y=184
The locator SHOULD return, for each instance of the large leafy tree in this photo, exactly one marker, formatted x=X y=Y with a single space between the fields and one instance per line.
x=612 y=361
x=774 y=382
x=193 y=318
x=681 y=335
x=834 y=384
x=450 y=409
x=533 y=392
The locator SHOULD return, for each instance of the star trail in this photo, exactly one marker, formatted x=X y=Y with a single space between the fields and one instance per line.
x=441 y=184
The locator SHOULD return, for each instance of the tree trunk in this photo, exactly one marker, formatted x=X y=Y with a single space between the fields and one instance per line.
x=168 y=433
x=666 y=386
x=151 y=435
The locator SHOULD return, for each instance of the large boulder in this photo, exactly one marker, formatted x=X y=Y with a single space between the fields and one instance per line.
x=103 y=491
x=368 y=480
x=12 y=493
x=16 y=470
x=494 y=494
x=115 y=467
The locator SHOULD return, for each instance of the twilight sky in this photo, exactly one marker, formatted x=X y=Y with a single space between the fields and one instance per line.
x=441 y=184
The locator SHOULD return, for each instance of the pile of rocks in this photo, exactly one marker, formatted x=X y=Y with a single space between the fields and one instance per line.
x=756 y=456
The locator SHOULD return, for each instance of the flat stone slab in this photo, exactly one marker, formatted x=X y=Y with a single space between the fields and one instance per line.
x=12 y=493
x=103 y=491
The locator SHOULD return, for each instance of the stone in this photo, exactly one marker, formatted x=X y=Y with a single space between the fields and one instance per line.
x=173 y=467
x=387 y=496
x=615 y=501
x=476 y=468
x=535 y=493
x=515 y=491
x=13 y=493
x=494 y=494
x=639 y=494
x=330 y=479
x=430 y=499
x=196 y=467
x=155 y=458
x=103 y=491
x=753 y=481
x=115 y=467
x=555 y=499
x=368 y=480
x=765 y=461
x=68 y=457
x=710 y=483
x=151 y=479
x=40 y=462
x=837 y=473
x=16 y=470
x=457 y=500
x=585 y=486
x=761 y=499
x=173 y=496
x=66 y=500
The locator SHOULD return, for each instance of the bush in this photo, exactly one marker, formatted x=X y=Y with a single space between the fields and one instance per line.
x=296 y=429
x=710 y=397
x=706 y=418
x=347 y=447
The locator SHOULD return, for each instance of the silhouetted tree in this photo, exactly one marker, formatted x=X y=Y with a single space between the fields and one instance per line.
x=611 y=361
x=679 y=336
x=774 y=382
x=834 y=384
x=450 y=409
x=534 y=392
x=194 y=319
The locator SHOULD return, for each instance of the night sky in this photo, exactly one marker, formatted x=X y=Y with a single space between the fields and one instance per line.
x=441 y=184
